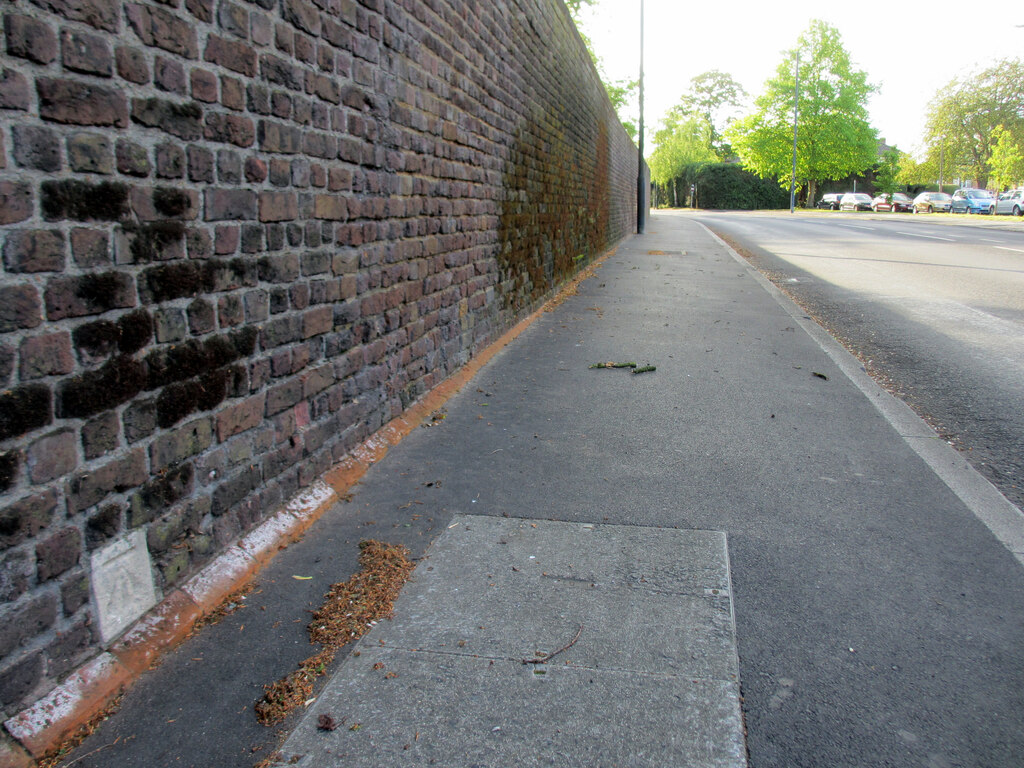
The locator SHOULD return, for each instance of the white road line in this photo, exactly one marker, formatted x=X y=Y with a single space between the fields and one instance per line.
x=1015 y=250
x=930 y=237
x=854 y=226
x=989 y=240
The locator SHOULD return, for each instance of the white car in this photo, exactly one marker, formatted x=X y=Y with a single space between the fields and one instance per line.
x=1011 y=203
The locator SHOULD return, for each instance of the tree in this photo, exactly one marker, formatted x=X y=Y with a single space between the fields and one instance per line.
x=714 y=96
x=888 y=171
x=963 y=116
x=681 y=141
x=834 y=138
x=1007 y=161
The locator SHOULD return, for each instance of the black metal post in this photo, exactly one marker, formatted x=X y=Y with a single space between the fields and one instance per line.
x=641 y=192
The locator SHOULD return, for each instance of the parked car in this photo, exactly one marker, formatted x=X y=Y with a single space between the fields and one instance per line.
x=855 y=201
x=895 y=202
x=932 y=202
x=1011 y=203
x=830 y=201
x=972 y=201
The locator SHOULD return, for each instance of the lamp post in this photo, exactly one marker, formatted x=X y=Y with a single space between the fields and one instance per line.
x=641 y=192
x=796 y=109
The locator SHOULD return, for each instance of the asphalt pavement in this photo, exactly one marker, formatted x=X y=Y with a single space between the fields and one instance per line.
x=784 y=521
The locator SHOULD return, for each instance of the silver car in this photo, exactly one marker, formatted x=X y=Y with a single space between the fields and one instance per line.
x=932 y=202
x=1011 y=203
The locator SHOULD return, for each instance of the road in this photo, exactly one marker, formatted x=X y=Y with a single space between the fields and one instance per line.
x=932 y=305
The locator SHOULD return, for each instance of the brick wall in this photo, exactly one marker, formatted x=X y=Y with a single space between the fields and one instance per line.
x=237 y=238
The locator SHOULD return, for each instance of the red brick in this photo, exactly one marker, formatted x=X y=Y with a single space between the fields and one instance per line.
x=13 y=93
x=46 y=355
x=29 y=38
x=236 y=56
x=161 y=28
x=15 y=201
x=78 y=103
x=241 y=417
x=278 y=206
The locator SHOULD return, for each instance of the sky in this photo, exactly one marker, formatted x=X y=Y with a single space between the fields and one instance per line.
x=910 y=50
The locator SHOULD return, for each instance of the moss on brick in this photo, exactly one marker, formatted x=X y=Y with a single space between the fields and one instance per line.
x=149 y=240
x=136 y=329
x=9 y=463
x=98 y=338
x=118 y=381
x=81 y=201
x=170 y=202
x=171 y=281
x=23 y=409
x=100 y=291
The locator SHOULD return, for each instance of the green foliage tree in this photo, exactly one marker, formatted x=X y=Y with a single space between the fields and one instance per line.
x=834 y=138
x=887 y=172
x=963 y=116
x=713 y=96
x=682 y=140
x=1007 y=161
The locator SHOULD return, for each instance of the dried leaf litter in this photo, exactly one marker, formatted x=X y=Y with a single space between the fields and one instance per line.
x=350 y=608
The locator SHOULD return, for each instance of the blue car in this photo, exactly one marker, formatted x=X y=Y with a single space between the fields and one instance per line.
x=972 y=201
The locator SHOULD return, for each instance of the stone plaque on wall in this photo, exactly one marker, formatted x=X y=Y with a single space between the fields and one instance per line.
x=122 y=584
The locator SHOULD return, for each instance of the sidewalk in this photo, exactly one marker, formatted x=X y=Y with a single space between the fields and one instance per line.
x=877 y=620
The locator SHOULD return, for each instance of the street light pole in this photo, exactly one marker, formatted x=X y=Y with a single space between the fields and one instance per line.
x=640 y=185
x=796 y=109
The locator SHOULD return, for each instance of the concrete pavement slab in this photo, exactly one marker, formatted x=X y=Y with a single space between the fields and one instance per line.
x=634 y=626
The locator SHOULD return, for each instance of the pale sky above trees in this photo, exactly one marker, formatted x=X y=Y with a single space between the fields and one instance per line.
x=908 y=51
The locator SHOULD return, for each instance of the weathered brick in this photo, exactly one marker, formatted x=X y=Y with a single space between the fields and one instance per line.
x=74 y=592
x=139 y=420
x=255 y=170
x=29 y=38
x=80 y=103
x=236 y=488
x=276 y=137
x=170 y=161
x=15 y=201
x=100 y=435
x=161 y=28
x=89 y=294
x=34 y=250
x=283 y=396
x=87 y=489
x=101 y=14
x=52 y=456
x=58 y=553
x=237 y=56
x=132 y=159
x=330 y=207
x=24 y=408
x=46 y=355
x=169 y=324
x=204 y=85
x=36 y=147
x=131 y=65
x=181 y=120
x=90 y=153
x=92 y=392
x=233 y=19
x=20 y=679
x=232 y=129
x=25 y=518
x=158 y=494
x=317 y=321
x=86 y=52
x=19 y=307
x=240 y=417
x=169 y=75
x=181 y=444
x=26 y=622
x=278 y=206
x=102 y=525
x=13 y=90
x=17 y=571
x=83 y=201
x=230 y=204
x=68 y=648
x=201 y=9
